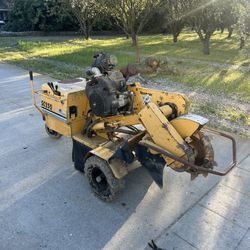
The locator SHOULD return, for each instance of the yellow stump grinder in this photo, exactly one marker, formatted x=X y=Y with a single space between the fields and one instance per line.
x=117 y=125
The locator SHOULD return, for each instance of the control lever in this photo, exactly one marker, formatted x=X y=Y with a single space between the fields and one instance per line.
x=54 y=89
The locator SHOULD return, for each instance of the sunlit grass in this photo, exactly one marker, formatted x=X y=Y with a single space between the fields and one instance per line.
x=68 y=56
x=232 y=82
x=236 y=116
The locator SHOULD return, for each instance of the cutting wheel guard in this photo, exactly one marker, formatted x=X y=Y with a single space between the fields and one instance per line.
x=192 y=166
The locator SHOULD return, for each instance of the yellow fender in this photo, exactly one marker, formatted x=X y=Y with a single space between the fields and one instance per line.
x=186 y=125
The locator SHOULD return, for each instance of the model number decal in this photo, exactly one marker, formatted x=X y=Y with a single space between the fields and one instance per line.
x=46 y=105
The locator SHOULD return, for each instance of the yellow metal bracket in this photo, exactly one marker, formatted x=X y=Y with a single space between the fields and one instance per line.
x=161 y=131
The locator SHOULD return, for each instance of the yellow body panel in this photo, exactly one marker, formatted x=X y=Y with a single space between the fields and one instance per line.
x=92 y=142
x=58 y=125
x=161 y=131
x=57 y=110
x=185 y=127
x=118 y=167
x=142 y=96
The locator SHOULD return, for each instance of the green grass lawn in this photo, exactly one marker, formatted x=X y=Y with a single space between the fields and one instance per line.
x=64 y=57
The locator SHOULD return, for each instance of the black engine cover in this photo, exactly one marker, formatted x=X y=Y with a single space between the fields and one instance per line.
x=103 y=96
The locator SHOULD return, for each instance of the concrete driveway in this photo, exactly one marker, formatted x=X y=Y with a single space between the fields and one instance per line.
x=46 y=204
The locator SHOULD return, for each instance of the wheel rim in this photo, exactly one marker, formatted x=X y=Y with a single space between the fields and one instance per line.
x=99 y=182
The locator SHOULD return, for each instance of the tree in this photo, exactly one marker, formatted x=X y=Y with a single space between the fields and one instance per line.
x=243 y=25
x=87 y=12
x=39 y=15
x=173 y=19
x=229 y=15
x=204 y=17
x=131 y=15
x=58 y=17
x=26 y=15
x=9 y=3
x=5 y=4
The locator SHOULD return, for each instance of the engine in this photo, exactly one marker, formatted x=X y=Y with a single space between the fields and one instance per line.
x=107 y=90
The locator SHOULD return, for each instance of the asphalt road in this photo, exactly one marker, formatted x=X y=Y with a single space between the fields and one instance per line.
x=46 y=204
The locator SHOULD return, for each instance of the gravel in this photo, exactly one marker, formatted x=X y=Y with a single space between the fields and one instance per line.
x=219 y=103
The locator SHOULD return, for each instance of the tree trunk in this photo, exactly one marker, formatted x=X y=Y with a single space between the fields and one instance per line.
x=135 y=44
x=138 y=56
x=230 y=32
x=89 y=29
x=205 y=39
x=175 y=38
x=84 y=30
x=134 y=39
x=87 y=36
x=242 y=42
x=206 y=49
x=137 y=51
x=176 y=29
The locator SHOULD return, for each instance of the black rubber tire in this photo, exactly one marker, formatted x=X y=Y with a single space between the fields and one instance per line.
x=101 y=179
x=52 y=134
